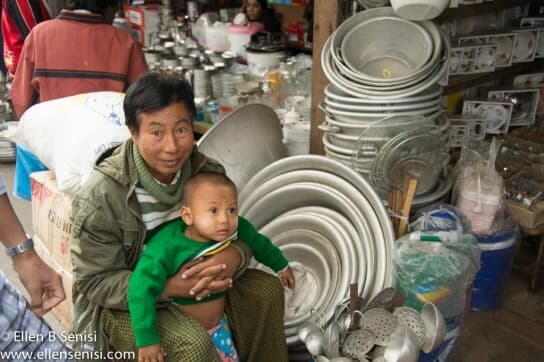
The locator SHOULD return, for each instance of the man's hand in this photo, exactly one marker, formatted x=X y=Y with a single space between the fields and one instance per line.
x=204 y=276
x=43 y=284
x=152 y=353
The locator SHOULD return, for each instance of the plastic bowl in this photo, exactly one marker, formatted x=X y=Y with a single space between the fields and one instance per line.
x=419 y=9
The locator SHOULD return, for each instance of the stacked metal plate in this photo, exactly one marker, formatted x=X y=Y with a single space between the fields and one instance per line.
x=325 y=216
x=7 y=148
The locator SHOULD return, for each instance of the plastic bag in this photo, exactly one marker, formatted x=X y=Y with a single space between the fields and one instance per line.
x=436 y=267
x=479 y=191
x=440 y=217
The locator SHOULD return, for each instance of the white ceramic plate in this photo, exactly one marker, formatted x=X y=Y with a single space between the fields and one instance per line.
x=504 y=49
x=525 y=45
x=495 y=114
x=485 y=59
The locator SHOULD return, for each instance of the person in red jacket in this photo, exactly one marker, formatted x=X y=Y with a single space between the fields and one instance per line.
x=79 y=51
x=18 y=18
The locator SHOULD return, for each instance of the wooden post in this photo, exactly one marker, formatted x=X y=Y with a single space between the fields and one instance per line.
x=326 y=19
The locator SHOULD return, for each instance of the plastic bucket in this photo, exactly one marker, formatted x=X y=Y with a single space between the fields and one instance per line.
x=25 y=163
x=445 y=350
x=496 y=259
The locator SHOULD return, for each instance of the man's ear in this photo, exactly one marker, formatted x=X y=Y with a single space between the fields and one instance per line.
x=186 y=215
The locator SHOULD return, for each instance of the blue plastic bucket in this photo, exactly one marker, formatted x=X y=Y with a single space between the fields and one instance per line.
x=445 y=350
x=25 y=163
x=496 y=259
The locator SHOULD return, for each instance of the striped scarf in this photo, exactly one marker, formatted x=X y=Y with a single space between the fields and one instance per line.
x=159 y=203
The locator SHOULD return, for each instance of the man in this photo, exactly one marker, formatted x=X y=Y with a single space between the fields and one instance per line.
x=42 y=283
x=136 y=188
x=78 y=52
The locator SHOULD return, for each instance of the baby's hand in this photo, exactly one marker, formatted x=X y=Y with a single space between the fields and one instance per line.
x=288 y=278
x=152 y=353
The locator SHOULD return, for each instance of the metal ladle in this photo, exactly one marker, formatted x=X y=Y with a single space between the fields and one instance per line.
x=331 y=340
x=314 y=342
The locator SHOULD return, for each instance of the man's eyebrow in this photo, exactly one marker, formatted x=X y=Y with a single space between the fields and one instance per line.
x=184 y=120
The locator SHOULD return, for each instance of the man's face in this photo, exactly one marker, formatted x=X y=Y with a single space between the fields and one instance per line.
x=253 y=10
x=165 y=140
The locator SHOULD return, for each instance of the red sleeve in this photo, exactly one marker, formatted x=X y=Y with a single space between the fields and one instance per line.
x=23 y=94
x=18 y=19
x=138 y=65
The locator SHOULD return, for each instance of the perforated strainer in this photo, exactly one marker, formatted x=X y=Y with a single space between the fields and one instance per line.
x=377 y=352
x=381 y=322
x=411 y=319
x=383 y=299
x=358 y=343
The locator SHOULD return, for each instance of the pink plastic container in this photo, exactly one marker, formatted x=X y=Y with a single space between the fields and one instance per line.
x=479 y=208
x=240 y=35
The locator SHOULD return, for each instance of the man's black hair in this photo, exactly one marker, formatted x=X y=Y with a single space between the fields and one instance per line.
x=155 y=91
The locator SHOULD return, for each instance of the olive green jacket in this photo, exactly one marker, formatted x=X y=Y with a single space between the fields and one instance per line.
x=107 y=238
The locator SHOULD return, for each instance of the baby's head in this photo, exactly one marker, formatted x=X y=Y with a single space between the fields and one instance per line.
x=210 y=207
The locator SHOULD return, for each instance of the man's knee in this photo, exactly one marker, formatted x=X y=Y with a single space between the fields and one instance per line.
x=264 y=286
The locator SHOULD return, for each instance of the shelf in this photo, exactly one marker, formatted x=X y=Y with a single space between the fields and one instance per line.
x=291 y=45
x=460 y=82
x=470 y=10
x=278 y=4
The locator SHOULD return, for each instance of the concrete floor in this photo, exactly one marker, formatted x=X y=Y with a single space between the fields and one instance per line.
x=515 y=332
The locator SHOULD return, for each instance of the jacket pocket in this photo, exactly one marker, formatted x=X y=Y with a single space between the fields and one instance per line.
x=130 y=238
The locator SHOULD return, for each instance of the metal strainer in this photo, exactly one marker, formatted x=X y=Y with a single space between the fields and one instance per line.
x=377 y=352
x=411 y=319
x=382 y=323
x=358 y=343
x=384 y=299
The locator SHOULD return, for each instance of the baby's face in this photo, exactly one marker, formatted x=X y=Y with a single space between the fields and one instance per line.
x=215 y=212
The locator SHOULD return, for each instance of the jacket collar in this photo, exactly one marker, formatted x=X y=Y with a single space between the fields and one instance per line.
x=82 y=17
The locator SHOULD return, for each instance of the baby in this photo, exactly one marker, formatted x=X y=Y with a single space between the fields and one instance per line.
x=209 y=222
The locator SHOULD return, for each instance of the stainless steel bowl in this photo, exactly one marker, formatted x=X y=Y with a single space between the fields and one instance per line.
x=244 y=143
x=386 y=48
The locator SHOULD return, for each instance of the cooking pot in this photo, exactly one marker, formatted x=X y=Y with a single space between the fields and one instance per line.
x=262 y=54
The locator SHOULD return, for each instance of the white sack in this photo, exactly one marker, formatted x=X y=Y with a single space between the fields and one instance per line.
x=68 y=134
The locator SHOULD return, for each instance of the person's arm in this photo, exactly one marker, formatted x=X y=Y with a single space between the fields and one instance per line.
x=18 y=18
x=204 y=276
x=99 y=263
x=42 y=283
x=145 y=285
x=263 y=249
x=23 y=94
x=138 y=65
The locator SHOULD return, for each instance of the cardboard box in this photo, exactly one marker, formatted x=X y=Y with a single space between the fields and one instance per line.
x=65 y=310
x=526 y=218
x=144 y=16
x=141 y=35
x=51 y=212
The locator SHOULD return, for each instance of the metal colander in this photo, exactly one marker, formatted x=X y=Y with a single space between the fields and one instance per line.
x=358 y=343
x=411 y=319
x=377 y=352
x=383 y=299
x=382 y=323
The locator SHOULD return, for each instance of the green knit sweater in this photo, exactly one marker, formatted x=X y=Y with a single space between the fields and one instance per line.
x=163 y=256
